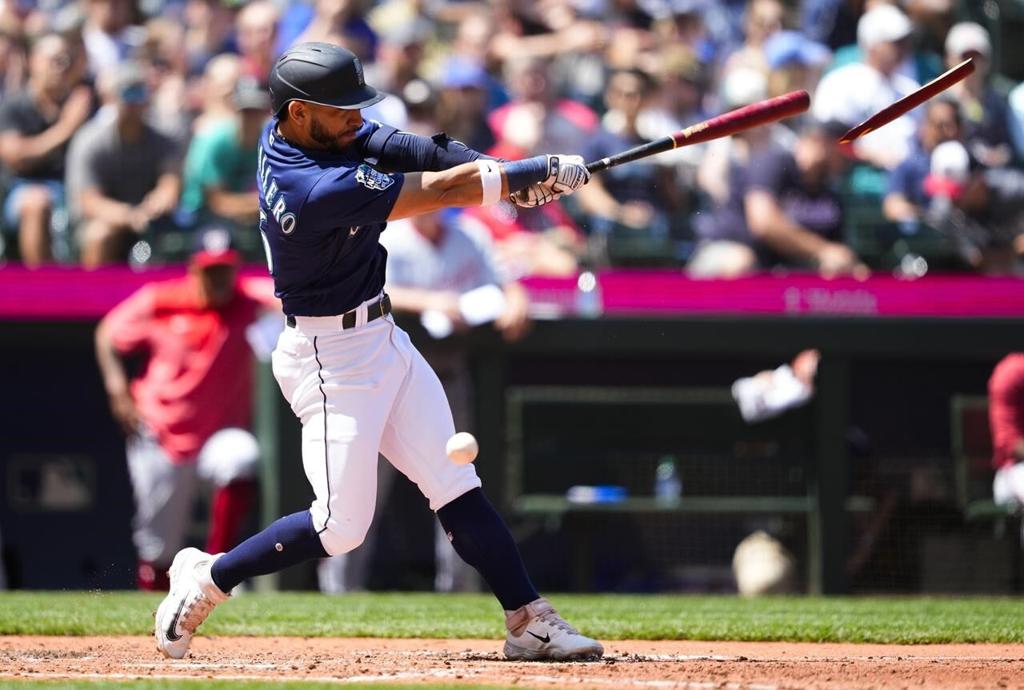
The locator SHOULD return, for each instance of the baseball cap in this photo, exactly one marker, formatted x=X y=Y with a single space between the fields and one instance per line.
x=883 y=24
x=130 y=83
x=249 y=95
x=949 y=169
x=792 y=47
x=214 y=247
x=967 y=37
x=461 y=73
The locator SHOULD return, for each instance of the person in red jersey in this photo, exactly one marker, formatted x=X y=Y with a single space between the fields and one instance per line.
x=1006 y=419
x=186 y=415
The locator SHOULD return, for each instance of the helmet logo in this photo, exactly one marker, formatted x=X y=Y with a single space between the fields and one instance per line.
x=359 y=72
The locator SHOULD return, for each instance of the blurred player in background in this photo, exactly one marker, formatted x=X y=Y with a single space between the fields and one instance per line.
x=186 y=415
x=1006 y=419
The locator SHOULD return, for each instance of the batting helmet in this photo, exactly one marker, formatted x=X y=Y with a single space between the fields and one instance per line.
x=321 y=73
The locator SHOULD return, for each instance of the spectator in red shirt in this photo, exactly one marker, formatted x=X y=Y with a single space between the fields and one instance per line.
x=186 y=414
x=1006 y=419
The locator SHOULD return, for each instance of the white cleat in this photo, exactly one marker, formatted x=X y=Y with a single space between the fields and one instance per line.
x=191 y=599
x=547 y=637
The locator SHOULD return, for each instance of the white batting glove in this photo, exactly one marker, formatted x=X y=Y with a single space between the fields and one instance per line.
x=566 y=174
x=533 y=196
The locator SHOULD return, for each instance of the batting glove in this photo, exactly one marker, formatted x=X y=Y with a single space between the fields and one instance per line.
x=566 y=174
x=533 y=196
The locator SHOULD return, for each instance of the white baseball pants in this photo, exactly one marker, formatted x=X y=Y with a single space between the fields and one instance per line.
x=359 y=392
x=164 y=490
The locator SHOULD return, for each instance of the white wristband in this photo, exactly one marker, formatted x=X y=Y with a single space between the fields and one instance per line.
x=490 y=180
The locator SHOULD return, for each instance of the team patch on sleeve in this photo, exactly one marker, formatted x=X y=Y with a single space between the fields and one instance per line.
x=373 y=179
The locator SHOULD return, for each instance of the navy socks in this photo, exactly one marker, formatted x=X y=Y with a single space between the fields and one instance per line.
x=285 y=542
x=482 y=539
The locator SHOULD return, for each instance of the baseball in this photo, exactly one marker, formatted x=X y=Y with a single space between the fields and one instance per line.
x=462 y=448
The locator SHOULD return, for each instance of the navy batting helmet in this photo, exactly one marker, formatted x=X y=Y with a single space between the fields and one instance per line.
x=321 y=73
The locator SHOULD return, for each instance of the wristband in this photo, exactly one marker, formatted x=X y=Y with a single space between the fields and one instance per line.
x=490 y=180
x=522 y=174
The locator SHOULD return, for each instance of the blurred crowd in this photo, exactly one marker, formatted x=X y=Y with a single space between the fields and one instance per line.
x=126 y=125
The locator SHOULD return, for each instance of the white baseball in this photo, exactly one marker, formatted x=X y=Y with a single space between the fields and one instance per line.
x=462 y=448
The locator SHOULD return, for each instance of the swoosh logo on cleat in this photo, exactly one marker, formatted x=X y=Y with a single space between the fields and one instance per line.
x=172 y=629
x=546 y=639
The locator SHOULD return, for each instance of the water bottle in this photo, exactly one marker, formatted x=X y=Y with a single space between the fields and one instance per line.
x=668 y=485
x=588 y=296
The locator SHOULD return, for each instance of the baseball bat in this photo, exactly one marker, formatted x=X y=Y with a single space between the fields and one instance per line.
x=726 y=124
x=910 y=101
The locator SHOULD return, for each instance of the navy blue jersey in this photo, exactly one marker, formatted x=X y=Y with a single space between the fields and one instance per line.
x=321 y=214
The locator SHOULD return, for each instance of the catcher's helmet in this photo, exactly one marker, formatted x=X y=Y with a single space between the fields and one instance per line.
x=321 y=73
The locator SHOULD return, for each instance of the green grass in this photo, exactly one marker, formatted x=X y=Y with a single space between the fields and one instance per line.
x=608 y=617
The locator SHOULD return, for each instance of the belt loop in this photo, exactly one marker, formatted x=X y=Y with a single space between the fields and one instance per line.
x=361 y=315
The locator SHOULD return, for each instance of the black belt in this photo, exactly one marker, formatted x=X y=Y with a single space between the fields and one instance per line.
x=380 y=308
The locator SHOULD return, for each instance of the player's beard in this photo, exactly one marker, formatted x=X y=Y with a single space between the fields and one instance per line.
x=320 y=135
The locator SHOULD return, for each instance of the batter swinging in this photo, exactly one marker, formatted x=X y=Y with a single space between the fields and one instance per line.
x=329 y=183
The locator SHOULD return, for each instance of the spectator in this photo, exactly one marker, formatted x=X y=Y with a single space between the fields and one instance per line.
x=256 y=29
x=852 y=93
x=440 y=273
x=35 y=127
x=110 y=33
x=209 y=27
x=186 y=416
x=342 y=22
x=1006 y=419
x=725 y=159
x=762 y=19
x=637 y=198
x=906 y=199
x=397 y=68
x=537 y=117
x=217 y=91
x=163 y=57
x=785 y=211
x=219 y=179
x=794 y=62
x=122 y=175
x=986 y=112
x=462 y=104
x=13 y=63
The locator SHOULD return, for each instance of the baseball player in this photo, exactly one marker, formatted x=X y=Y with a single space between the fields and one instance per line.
x=329 y=182
x=186 y=415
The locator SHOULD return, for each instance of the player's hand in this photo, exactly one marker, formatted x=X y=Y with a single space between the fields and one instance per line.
x=566 y=174
x=533 y=196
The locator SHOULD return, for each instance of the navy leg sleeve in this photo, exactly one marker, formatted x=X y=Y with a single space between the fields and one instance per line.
x=483 y=540
x=285 y=542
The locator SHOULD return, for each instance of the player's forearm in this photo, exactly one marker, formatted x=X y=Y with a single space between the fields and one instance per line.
x=461 y=185
x=115 y=378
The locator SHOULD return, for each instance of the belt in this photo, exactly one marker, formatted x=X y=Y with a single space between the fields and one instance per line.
x=380 y=308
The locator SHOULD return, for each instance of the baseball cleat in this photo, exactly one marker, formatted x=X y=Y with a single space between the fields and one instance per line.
x=547 y=637
x=191 y=599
